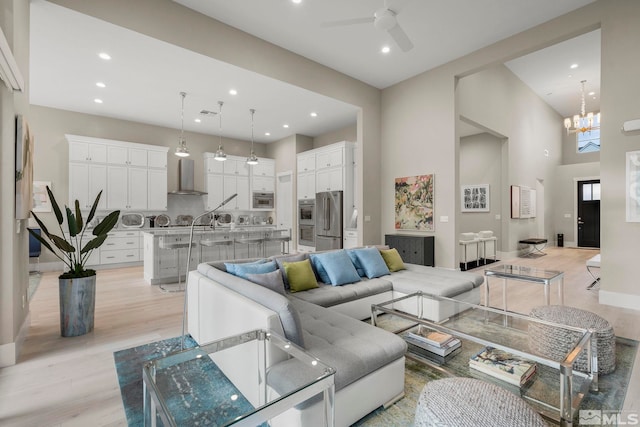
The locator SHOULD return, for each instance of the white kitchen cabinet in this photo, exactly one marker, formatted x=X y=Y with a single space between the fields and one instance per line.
x=157 y=159
x=306 y=162
x=350 y=239
x=329 y=180
x=86 y=152
x=215 y=190
x=235 y=166
x=265 y=167
x=264 y=184
x=239 y=185
x=86 y=180
x=128 y=187
x=211 y=165
x=119 y=155
x=157 y=189
x=307 y=185
x=121 y=247
x=329 y=158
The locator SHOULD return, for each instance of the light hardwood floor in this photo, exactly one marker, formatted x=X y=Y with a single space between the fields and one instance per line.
x=72 y=381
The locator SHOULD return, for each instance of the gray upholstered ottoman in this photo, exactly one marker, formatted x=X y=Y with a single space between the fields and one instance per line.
x=468 y=402
x=555 y=343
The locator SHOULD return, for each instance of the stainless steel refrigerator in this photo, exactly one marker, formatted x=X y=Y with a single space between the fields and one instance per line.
x=328 y=220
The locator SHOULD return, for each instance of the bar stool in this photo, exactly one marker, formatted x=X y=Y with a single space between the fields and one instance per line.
x=175 y=246
x=220 y=244
x=283 y=239
x=252 y=240
x=469 y=242
x=485 y=237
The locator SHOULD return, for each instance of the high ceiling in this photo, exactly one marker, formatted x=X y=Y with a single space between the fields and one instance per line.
x=144 y=77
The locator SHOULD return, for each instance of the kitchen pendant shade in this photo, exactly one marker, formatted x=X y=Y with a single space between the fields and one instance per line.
x=181 y=149
x=220 y=155
x=252 y=160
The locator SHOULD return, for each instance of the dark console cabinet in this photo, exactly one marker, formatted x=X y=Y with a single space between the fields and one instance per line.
x=412 y=249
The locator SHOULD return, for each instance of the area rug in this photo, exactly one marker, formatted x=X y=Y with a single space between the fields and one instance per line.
x=613 y=387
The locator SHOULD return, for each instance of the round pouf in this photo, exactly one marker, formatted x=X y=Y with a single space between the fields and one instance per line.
x=555 y=343
x=468 y=402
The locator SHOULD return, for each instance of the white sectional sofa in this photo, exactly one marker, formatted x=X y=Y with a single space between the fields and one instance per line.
x=326 y=321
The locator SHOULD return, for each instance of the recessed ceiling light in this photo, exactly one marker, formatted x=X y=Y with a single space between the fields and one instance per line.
x=104 y=56
x=314 y=114
x=233 y=92
x=574 y=66
x=594 y=97
x=385 y=49
x=296 y=1
x=267 y=134
x=98 y=101
x=100 y=84
x=286 y=126
x=197 y=120
x=592 y=93
x=570 y=75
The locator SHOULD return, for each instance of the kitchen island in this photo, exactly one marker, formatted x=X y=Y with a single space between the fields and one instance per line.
x=165 y=249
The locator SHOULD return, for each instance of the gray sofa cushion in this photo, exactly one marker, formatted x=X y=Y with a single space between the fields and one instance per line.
x=279 y=259
x=288 y=314
x=327 y=295
x=354 y=348
x=433 y=280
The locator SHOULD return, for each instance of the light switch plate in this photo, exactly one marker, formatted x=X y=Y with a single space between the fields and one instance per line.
x=444 y=219
x=367 y=218
x=567 y=215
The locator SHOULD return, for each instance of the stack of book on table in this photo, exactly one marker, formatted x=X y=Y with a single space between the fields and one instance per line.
x=433 y=344
x=504 y=366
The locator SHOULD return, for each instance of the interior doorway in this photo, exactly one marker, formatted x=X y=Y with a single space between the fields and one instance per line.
x=588 y=219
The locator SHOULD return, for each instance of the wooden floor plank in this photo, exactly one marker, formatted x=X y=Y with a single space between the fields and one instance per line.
x=72 y=381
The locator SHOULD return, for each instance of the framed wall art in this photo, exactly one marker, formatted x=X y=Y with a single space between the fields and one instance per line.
x=24 y=168
x=414 y=203
x=41 y=202
x=475 y=198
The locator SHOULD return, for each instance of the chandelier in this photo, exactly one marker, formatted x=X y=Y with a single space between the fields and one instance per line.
x=583 y=122
x=252 y=159
x=181 y=149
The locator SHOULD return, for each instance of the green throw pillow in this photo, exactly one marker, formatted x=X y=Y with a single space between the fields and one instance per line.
x=300 y=275
x=393 y=260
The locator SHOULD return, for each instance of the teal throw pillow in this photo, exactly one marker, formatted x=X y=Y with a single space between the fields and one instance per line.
x=319 y=270
x=372 y=262
x=243 y=270
x=356 y=263
x=231 y=267
x=338 y=267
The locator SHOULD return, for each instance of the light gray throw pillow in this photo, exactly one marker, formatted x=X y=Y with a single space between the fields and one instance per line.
x=272 y=280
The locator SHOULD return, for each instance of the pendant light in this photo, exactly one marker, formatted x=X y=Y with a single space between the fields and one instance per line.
x=181 y=149
x=220 y=154
x=252 y=159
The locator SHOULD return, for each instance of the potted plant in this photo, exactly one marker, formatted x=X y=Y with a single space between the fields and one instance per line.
x=78 y=284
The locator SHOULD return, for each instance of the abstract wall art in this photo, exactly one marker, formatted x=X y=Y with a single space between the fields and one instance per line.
x=414 y=203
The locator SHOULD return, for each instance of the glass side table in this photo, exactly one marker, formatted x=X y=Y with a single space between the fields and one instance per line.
x=203 y=385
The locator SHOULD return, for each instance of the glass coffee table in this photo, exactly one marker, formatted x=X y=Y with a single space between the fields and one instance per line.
x=524 y=274
x=205 y=386
x=555 y=390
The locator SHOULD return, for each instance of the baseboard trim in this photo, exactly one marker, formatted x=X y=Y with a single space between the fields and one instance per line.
x=9 y=352
x=618 y=299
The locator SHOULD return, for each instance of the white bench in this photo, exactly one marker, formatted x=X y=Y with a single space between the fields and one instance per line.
x=593 y=262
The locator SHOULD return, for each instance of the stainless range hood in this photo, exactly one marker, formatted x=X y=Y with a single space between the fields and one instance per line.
x=185 y=179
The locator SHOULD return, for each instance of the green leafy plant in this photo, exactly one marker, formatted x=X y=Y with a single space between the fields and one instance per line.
x=72 y=252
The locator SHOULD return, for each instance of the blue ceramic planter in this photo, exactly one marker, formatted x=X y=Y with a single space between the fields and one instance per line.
x=77 y=305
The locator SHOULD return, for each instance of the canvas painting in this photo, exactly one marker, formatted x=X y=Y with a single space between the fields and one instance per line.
x=414 y=203
x=24 y=168
x=475 y=198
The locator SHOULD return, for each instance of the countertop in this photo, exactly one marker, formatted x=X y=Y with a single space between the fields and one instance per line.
x=163 y=231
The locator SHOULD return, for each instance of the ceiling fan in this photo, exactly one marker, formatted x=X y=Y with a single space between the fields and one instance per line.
x=383 y=19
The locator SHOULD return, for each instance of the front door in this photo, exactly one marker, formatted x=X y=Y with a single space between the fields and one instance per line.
x=589 y=213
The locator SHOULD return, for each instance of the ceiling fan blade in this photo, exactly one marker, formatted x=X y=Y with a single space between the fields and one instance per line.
x=348 y=22
x=401 y=38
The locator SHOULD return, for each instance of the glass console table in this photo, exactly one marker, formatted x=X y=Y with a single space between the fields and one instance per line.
x=524 y=274
x=203 y=385
x=556 y=390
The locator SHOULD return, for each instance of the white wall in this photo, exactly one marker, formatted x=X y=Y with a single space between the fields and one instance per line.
x=481 y=163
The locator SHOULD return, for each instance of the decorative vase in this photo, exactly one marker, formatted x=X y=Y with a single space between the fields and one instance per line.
x=77 y=305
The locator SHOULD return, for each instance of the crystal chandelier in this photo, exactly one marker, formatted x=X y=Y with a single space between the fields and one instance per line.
x=181 y=149
x=583 y=122
x=220 y=154
x=252 y=159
